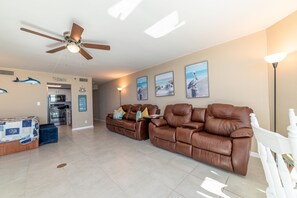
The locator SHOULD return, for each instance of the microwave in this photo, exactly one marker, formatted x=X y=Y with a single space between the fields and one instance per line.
x=57 y=98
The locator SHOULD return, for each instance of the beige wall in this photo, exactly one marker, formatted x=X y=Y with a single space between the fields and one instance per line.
x=96 y=108
x=282 y=36
x=237 y=75
x=22 y=98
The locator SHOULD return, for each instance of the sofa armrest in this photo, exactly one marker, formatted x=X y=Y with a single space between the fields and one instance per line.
x=242 y=133
x=141 y=120
x=194 y=125
x=159 y=122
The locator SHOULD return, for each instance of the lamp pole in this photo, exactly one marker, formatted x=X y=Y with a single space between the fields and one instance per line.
x=120 y=93
x=274 y=59
x=274 y=97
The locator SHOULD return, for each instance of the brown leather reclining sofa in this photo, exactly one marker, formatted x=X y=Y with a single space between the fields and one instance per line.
x=128 y=126
x=219 y=135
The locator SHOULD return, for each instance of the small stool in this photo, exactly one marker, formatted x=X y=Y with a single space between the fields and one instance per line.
x=48 y=133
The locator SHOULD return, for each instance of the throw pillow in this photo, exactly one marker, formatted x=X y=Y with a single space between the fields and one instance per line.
x=145 y=113
x=138 y=115
x=117 y=115
x=121 y=109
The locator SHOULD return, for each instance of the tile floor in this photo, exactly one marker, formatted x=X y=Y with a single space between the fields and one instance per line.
x=105 y=164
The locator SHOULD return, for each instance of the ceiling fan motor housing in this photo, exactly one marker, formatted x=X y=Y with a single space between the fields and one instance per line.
x=69 y=40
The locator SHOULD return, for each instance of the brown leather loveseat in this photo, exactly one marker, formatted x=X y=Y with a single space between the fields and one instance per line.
x=128 y=126
x=219 y=135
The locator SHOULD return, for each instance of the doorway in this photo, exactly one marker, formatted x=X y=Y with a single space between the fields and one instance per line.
x=59 y=104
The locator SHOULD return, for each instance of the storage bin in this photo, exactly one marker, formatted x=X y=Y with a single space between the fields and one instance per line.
x=48 y=133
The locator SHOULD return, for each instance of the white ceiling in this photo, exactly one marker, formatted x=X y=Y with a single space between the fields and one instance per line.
x=207 y=23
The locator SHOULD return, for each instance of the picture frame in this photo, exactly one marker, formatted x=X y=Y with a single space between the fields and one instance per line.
x=197 y=80
x=164 y=84
x=82 y=103
x=142 y=88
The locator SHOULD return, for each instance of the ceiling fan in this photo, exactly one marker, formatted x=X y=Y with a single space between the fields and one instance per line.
x=72 y=41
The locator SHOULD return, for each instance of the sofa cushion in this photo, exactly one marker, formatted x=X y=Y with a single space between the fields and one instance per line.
x=178 y=114
x=184 y=134
x=165 y=133
x=223 y=119
x=194 y=125
x=214 y=143
x=242 y=133
x=135 y=107
x=131 y=116
x=198 y=115
x=127 y=124
x=126 y=108
x=159 y=122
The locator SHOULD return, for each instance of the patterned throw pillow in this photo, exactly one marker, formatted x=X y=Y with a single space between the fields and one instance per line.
x=145 y=113
x=117 y=115
x=121 y=109
x=138 y=115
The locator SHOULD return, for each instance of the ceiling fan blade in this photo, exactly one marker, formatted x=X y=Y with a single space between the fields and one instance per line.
x=76 y=32
x=96 y=46
x=56 y=49
x=85 y=54
x=40 y=34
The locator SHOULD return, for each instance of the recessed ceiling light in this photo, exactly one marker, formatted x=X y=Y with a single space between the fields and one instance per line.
x=122 y=9
x=165 y=25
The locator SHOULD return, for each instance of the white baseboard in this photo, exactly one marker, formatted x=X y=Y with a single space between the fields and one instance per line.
x=81 y=128
x=254 y=154
x=101 y=120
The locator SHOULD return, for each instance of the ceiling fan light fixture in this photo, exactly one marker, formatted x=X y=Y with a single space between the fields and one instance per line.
x=73 y=48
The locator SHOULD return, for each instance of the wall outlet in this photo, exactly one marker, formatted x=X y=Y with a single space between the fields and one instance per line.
x=38 y=103
x=86 y=121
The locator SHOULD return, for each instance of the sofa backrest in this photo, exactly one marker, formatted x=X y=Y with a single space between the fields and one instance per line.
x=198 y=115
x=178 y=114
x=132 y=112
x=152 y=109
x=223 y=119
x=126 y=108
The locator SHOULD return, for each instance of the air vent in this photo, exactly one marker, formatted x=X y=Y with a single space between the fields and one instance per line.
x=6 y=72
x=83 y=80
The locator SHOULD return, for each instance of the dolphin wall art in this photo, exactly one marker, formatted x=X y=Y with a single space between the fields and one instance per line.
x=2 y=91
x=29 y=80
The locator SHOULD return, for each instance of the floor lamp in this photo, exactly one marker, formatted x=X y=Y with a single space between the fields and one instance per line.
x=274 y=59
x=120 y=92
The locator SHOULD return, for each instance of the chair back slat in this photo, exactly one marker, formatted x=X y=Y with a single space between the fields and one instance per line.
x=284 y=175
x=280 y=183
x=292 y=134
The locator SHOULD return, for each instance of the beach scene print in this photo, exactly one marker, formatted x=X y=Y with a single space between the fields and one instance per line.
x=164 y=84
x=197 y=80
x=142 y=90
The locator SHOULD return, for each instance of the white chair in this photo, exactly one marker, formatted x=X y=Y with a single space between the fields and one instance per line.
x=278 y=177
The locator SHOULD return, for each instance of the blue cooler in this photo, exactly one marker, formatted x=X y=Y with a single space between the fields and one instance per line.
x=48 y=133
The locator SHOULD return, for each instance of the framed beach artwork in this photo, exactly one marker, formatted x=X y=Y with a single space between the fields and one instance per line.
x=197 y=80
x=82 y=103
x=142 y=88
x=164 y=84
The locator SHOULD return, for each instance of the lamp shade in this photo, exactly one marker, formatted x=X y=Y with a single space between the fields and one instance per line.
x=120 y=88
x=275 y=58
x=72 y=47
